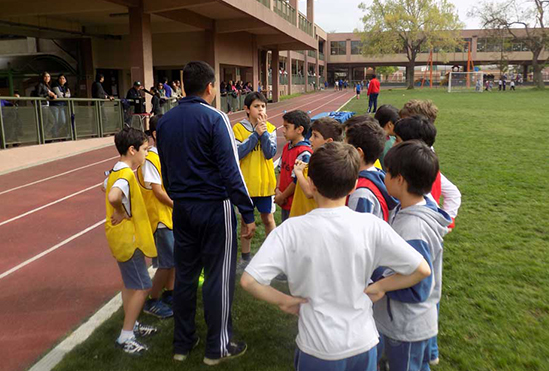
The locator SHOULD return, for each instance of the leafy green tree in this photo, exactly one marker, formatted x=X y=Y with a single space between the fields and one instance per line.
x=525 y=21
x=408 y=26
x=386 y=71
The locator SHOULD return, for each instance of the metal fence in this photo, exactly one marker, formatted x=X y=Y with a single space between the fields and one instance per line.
x=28 y=120
x=233 y=102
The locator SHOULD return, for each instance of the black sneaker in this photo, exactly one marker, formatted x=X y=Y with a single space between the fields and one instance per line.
x=183 y=356
x=132 y=347
x=140 y=330
x=234 y=350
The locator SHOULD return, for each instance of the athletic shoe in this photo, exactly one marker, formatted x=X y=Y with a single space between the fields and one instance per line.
x=132 y=347
x=434 y=362
x=157 y=308
x=167 y=298
x=140 y=330
x=183 y=356
x=241 y=266
x=281 y=278
x=234 y=350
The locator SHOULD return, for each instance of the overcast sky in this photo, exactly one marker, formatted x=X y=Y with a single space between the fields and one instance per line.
x=344 y=15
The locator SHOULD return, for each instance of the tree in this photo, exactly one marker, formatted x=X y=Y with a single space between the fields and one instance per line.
x=386 y=71
x=407 y=26
x=525 y=21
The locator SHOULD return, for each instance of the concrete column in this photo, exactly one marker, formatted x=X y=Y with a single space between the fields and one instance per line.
x=317 y=72
x=311 y=11
x=289 y=68
x=294 y=4
x=348 y=50
x=256 y=67
x=212 y=57
x=87 y=67
x=141 y=55
x=325 y=60
x=264 y=68
x=525 y=72
x=276 y=75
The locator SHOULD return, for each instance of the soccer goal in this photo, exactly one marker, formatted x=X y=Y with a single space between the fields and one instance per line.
x=465 y=82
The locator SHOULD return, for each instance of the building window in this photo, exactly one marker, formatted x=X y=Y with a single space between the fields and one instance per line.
x=338 y=47
x=356 y=47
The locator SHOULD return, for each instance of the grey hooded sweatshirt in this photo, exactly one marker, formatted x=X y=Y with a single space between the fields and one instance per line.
x=411 y=314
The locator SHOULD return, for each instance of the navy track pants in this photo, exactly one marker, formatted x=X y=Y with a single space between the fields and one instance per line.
x=205 y=237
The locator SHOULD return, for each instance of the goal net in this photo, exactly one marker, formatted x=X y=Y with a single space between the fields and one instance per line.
x=465 y=82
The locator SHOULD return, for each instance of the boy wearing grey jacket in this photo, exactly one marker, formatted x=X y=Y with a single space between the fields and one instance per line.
x=408 y=318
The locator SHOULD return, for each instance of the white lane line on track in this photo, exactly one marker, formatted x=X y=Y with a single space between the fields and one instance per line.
x=48 y=205
x=289 y=100
x=36 y=257
x=58 y=175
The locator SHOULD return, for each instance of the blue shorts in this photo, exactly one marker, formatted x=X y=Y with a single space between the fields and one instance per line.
x=134 y=272
x=163 y=238
x=366 y=361
x=265 y=205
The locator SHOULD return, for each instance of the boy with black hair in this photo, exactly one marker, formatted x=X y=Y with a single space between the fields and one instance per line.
x=129 y=235
x=408 y=319
x=387 y=116
x=415 y=127
x=201 y=173
x=159 y=209
x=256 y=143
x=370 y=196
x=316 y=251
x=323 y=130
x=296 y=126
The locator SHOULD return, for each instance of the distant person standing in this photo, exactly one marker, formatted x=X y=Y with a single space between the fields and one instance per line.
x=167 y=87
x=373 y=93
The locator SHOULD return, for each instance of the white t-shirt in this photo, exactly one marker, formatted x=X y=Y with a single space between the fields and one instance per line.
x=329 y=256
x=123 y=185
x=152 y=176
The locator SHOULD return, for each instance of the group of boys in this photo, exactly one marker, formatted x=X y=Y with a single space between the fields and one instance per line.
x=335 y=246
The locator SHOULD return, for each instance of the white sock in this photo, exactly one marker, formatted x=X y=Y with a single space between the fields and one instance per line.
x=125 y=335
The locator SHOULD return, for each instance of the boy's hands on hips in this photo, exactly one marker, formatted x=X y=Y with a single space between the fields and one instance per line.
x=291 y=304
x=374 y=292
x=118 y=216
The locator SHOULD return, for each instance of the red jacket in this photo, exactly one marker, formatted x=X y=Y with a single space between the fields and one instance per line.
x=374 y=86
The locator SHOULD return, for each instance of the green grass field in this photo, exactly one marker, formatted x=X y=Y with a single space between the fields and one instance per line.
x=495 y=307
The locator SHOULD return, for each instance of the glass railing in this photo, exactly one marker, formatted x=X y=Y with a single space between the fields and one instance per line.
x=233 y=102
x=285 y=10
x=305 y=25
x=312 y=53
x=40 y=120
x=267 y=3
x=298 y=80
x=321 y=80
x=321 y=56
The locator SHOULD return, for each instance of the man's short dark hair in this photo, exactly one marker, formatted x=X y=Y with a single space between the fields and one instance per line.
x=298 y=118
x=196 y=77
x=368 y=136
x=328 y=127
x=334 y=169
x=128 y=137
x=165 y=80
x=250 y=98
x=416 y=127
x=416 y=162
x=153 y=122
x=374 y=76
x=385 y=114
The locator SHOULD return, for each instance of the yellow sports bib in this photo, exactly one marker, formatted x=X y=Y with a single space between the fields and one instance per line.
x=301 y=205
x=258 y=172
x=157 y=211
x=133 y=233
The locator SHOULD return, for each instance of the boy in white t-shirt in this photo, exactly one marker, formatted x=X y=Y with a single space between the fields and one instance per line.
x=328 y=255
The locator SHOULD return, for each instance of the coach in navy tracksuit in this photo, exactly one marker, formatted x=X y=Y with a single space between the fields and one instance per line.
x=201 y=173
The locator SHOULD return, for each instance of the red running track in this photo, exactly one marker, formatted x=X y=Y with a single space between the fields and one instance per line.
x=56 y=269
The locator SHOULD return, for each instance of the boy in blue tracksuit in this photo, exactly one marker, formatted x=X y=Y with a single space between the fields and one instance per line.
x=407 y=319
x=201 y=173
